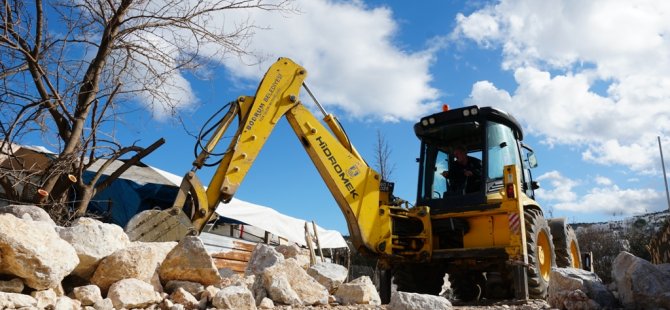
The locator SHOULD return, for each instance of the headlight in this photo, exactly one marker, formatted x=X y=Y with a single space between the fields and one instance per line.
x=466 y=112
x=431 y=121
x=474 y=111
x=424 y=122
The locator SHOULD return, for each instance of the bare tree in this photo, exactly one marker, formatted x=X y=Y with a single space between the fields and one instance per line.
x=70 y=68
x=383 y=157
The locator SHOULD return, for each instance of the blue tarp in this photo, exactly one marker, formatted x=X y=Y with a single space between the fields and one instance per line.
x=125 y=198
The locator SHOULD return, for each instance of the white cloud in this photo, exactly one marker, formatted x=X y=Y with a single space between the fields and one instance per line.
x=635 y=156
x=560 y=193
x=560 y=51
x=600 y=180
x=560 y=188
x=479 y=26
x=352 y=62
x=348 y=49
x=613 y=200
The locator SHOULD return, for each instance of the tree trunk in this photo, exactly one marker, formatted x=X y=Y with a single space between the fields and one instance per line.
x=86 y=193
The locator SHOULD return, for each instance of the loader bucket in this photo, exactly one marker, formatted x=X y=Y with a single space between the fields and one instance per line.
x=159 y=225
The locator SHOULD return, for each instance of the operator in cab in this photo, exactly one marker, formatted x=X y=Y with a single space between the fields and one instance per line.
x=465 y=173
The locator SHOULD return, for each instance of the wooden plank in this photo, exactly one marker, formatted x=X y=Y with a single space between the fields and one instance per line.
x=235 y=266
x=243 y=256
x=244 y=246
x=217 y=243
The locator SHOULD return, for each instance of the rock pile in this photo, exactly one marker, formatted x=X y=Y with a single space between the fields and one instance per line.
x=578 y=289
x=638 y=284
x=93 y=265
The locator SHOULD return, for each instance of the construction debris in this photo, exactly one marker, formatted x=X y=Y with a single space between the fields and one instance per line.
x=572 y=288
x=640 y=284
x=93 y=265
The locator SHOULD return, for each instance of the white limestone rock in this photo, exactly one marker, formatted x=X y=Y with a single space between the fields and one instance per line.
x=88 y=295
x=578 y=289
x=183 y=297
x=105 y=304
x=358 y=291
x=414 y=301
x=262 y=257
x=46 y=298
x=139 y=261
x=93 y=240
x=640 y=284
x=133 y=293
x=33 y=251
x=329 y=275
x=234 y=297
x=209 y=293
x=189 y=261
x=288 y=283
x=266 y=303
x=34 y=212
x=294 y=251
x=15 y=301
x=67 y=303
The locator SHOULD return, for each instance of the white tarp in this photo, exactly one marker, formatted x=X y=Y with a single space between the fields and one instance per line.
x=279 y=224
x=270 y=220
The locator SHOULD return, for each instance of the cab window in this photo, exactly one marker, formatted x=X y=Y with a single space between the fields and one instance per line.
x=502 y=149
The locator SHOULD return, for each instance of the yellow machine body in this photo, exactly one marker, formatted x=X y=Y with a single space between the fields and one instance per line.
x=379 y=224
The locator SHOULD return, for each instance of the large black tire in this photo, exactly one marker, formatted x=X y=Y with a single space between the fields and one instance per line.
x=540 y=250
x=385 y=278
x=565 y=243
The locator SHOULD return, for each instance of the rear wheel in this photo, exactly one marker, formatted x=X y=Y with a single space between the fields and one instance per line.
x=416 y=278
x=565 y=243
x=540 y=253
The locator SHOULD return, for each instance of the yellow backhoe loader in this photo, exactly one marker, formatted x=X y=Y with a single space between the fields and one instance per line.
x=483 y=228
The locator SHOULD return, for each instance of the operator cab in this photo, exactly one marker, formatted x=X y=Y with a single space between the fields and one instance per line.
x=463 y=152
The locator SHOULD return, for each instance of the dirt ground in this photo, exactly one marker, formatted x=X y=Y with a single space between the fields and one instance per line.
x=481 y=305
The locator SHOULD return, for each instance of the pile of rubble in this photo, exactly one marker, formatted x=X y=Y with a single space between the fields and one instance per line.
x=637 y=284
x=93 y=265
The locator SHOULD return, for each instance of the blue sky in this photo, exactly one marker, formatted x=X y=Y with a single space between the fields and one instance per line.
x=589 y=82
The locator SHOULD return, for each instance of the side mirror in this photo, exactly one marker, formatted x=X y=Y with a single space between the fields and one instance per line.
x=534 y=185
x=532 y=160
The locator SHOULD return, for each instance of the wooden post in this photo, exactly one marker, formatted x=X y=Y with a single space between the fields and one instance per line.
x=318 y=243
x=665 y=177
x=308 y=240
x=348 y=263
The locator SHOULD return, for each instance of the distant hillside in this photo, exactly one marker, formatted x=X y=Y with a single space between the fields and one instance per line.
x=650 y=222
x=605 y=240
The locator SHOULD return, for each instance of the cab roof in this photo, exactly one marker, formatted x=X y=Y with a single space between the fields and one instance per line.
x=436 y=124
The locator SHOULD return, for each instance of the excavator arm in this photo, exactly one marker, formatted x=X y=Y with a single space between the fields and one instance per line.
x=369 y=209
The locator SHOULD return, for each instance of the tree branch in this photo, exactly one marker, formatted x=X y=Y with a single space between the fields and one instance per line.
x=127 y=164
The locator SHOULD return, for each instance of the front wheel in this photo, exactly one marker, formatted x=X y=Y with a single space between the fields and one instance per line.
x=540 y=253
x=385 y=278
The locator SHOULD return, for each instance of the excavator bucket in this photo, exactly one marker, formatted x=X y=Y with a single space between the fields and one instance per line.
x=159 y=225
